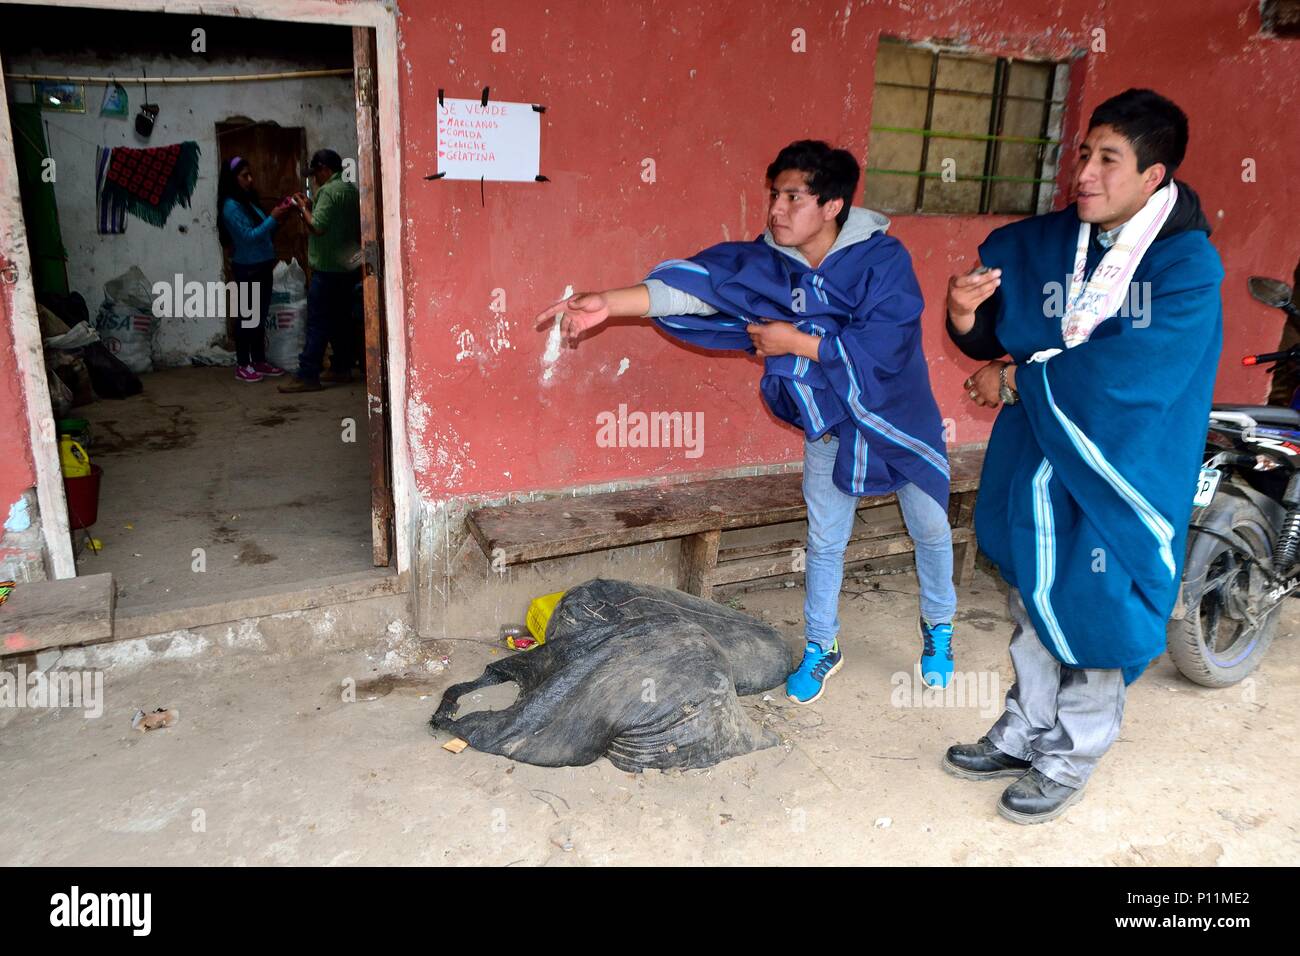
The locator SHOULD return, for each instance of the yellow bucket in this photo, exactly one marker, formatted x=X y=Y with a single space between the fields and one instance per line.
x=539 y=614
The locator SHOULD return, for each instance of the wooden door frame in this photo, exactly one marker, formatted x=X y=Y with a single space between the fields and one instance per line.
x=267 y=201
x=369 y=172
x=373 y=14
x=29 y=355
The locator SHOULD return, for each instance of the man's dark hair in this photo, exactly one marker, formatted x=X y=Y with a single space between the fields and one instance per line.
x=832 y=173
x=327 y=158
x=1153 y=125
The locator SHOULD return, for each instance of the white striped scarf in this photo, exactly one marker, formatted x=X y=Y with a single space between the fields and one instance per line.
x=110 y=218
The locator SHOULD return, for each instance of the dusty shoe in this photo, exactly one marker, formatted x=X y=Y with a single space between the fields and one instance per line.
x=297 y=384
x=982 y=761
x=332 y=377
x=1035 y=798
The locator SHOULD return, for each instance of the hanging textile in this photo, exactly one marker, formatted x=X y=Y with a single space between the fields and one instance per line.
x=152 y=181
x=110 y=208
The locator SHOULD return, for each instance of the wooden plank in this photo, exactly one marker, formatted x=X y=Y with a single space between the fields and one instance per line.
x=754 y=566
x=961 y=509
x=555 y=527
x=789 y=545
x=965 y=568
x=699 y=559
x=573 y=525
x=767 y=548
x=57 y=613
x=368 y=179
x=769 y=566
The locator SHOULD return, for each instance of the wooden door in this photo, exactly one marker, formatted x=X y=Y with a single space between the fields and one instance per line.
x=277 y=156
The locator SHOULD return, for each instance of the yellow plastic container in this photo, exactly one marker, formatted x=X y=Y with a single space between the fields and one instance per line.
x=539 y=614
x=73 y=459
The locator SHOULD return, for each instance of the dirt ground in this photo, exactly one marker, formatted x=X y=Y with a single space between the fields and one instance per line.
x=262 y=482
x=268 y=765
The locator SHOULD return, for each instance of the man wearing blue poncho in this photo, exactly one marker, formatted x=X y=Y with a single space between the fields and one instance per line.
x=832 y=305
x=1110 y=313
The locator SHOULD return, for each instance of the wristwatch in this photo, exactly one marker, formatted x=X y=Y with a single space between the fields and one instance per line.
x=1006 y=394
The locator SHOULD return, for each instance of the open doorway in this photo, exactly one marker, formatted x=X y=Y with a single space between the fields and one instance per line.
x=210 y=487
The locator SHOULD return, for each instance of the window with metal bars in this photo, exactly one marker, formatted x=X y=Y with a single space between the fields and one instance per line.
x=956 y=133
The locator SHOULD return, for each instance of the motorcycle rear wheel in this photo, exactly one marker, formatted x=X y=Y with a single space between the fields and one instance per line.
x=1227 y=626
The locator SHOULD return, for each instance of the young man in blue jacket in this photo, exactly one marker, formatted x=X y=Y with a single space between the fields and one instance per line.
x=832 y=305
x=1092 y=465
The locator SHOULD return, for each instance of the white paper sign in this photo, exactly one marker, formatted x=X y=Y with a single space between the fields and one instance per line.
x=500 y=141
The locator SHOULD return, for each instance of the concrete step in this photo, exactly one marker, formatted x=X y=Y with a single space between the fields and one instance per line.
x=260 y=602
x=73 y=622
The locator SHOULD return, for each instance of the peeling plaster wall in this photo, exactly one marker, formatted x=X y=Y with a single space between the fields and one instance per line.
x=492 y=408
x=17 y=472
x=22 y=546
x=710 y=92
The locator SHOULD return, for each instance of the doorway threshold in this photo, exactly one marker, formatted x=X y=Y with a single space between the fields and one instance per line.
x=143 y=621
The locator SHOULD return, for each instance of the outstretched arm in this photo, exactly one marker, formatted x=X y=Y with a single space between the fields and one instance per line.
x=586 y=310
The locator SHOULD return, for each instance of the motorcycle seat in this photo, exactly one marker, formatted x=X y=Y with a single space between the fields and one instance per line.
x=1274 y=415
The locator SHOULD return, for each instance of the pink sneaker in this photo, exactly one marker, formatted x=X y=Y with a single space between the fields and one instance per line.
x=267 y=369
x=247 y=373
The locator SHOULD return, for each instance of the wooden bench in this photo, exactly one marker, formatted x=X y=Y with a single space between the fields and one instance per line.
x=698 y=512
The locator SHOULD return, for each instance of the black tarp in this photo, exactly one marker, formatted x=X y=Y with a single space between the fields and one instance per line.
x=648 y=677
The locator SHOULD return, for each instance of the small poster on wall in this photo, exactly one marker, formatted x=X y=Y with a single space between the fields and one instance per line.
x=115 y=101
x=63 y=97
x=496 y=141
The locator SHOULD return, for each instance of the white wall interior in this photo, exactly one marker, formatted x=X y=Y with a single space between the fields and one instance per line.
x=187 y=244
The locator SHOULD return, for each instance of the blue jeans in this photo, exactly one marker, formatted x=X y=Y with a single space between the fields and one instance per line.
x=831 y=514
x=329 y=320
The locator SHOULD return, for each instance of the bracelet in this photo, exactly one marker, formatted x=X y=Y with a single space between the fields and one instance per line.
x=1008 y=394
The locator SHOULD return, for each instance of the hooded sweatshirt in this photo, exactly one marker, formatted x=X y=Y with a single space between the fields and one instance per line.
x=869 y=386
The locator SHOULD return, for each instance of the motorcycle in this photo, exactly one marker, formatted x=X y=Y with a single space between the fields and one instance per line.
x=1243 y=543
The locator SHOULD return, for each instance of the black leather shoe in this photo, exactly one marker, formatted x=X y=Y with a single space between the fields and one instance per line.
x=982 y=761
x=1036 y=799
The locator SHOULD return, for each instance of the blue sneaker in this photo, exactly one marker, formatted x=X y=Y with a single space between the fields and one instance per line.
x=935 y=666
x=807 y=683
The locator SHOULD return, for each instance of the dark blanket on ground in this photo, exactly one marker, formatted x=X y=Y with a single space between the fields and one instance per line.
x=648 y=677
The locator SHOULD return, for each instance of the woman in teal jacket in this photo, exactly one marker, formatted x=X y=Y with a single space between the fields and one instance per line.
x=247 y=232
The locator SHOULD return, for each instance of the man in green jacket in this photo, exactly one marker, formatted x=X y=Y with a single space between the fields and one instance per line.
x=334 y=253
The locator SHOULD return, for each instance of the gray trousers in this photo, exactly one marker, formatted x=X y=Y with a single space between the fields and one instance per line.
x=1061 y=718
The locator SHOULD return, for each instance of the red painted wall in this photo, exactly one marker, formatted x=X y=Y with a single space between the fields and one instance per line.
x=17 y=473
x=711 y=91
